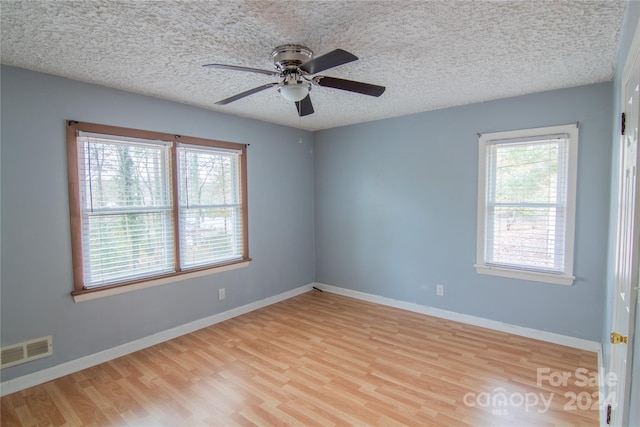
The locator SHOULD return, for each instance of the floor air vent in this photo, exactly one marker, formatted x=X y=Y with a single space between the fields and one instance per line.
x=26 y=351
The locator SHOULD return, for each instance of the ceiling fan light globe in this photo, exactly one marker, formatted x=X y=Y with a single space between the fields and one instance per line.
x=294 y=93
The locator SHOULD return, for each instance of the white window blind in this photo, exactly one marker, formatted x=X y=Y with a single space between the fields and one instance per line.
x=125 y=207
x=527 y=201
x=210 y=208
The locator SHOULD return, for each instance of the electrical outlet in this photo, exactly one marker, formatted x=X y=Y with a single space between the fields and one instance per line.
x=221 y=294
x=440 y=290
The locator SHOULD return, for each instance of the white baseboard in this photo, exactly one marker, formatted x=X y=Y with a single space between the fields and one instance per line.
x=470 y=320
x=76 y=365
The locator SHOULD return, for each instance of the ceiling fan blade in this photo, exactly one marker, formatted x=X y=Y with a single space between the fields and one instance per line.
x=237 y=68
x=350 y=85
x=246 y=93
x=304 y=107
x=328 y=60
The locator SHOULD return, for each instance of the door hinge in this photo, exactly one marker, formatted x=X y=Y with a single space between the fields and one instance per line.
x=617 y=338
x=608 y=414
x=623 y=123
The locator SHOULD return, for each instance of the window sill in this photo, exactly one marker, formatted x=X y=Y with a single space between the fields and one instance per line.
x=556 y=279
x=92 y=294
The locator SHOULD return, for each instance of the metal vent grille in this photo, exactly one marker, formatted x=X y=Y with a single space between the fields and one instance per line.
x=26 y=351
x=12 y=355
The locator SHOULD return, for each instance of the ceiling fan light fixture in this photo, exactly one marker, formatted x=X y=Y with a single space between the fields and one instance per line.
x=294 y=92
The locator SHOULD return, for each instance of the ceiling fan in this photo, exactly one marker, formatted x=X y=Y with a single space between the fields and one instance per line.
x=295 y=66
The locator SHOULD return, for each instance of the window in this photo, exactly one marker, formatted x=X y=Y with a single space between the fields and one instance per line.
x=147 y=205
x=526 y=203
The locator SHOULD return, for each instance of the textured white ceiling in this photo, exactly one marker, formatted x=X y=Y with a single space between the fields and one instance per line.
x=429 y=54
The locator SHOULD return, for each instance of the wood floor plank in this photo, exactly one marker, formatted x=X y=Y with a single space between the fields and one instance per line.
x=321 y=359
x=9 y=413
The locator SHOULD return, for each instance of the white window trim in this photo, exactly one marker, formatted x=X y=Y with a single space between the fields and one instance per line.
x=567 y=278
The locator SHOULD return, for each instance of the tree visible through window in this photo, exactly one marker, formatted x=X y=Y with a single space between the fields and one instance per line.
x=210 y=213
x=146 y=204
x=126 y=209
x=526 y=202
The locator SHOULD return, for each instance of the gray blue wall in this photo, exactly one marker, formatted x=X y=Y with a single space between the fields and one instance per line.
x=395 y=210
x=395 y=214
x=36 y=275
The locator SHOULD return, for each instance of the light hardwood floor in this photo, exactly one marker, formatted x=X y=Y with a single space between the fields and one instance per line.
x=321 y=359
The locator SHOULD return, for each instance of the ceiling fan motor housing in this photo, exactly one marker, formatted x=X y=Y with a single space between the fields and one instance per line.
x=289 y=57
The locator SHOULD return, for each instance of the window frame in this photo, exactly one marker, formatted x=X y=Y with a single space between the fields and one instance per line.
x=80 y=292
x=482 y=267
